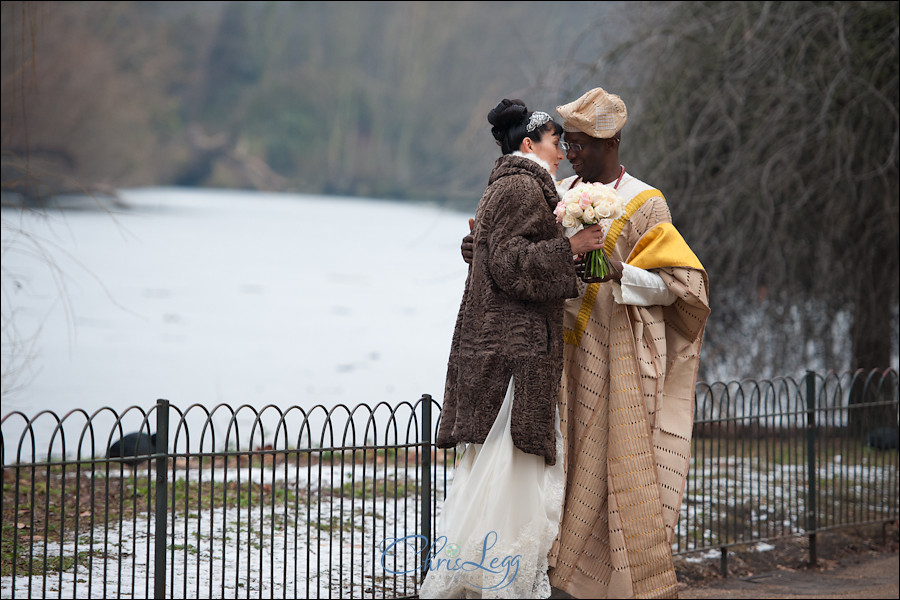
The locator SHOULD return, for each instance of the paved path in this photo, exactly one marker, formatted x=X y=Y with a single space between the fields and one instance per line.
x=855 y=577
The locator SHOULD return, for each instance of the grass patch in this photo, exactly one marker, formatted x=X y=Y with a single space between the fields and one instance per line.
x=374 y=488
x=59 y=504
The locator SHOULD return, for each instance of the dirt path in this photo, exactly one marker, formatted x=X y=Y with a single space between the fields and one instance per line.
x=854 y=562
x=860 y=576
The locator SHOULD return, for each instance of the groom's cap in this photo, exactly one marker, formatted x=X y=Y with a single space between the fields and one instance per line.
x=598 y=114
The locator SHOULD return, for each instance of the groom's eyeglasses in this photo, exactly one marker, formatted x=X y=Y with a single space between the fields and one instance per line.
x=566 y=146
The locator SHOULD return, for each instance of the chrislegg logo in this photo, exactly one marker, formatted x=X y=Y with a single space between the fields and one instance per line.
x=442 y=556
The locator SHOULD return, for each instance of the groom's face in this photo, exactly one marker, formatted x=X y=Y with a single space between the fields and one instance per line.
x=587 y=161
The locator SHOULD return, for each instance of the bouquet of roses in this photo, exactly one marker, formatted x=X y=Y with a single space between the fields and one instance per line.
x=586 y=204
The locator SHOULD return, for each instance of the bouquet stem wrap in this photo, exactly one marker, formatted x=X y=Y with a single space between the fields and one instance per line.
x=596 y=266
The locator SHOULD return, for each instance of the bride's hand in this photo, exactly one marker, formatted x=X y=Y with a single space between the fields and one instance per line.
x=589 y=238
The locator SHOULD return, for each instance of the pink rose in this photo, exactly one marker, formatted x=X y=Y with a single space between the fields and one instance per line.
x=560 y=210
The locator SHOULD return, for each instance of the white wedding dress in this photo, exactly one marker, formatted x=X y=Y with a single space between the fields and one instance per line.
x=499 y=519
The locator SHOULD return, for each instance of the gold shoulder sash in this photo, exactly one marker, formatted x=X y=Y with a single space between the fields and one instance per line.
x=663 y=246
x=573 y=336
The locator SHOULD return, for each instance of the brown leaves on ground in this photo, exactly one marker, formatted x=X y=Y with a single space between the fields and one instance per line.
x=791 y=554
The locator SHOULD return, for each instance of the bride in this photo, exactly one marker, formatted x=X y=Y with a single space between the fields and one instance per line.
x=502 y=511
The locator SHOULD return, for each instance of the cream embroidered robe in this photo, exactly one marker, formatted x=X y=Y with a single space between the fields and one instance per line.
x=626 y=409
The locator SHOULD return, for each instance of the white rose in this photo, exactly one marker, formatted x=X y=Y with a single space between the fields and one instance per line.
x=569 y=221
x=573 y=209
x=588 y=216
x=607 y=203
x=603 y=208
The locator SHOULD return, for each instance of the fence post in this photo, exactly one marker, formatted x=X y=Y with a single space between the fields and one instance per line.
x=162 y=496
x=426 y=479
x=811 y=454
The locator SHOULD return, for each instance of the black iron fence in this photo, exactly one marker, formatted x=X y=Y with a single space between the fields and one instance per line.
x=783 y=458
x=340 y=502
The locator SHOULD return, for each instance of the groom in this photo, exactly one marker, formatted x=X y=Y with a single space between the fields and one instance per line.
x=626 y=401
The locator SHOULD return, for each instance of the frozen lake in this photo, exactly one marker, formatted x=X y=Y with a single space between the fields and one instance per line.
x=210 y=297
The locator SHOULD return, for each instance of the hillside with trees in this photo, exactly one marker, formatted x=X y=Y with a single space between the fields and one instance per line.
x=374 y=99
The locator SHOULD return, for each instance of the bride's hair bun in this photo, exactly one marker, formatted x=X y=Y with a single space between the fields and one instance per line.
x=506 y=115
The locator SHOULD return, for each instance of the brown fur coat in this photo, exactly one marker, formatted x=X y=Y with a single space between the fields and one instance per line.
x=510 y=319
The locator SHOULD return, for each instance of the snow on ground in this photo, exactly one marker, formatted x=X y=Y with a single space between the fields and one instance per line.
x=337 y=546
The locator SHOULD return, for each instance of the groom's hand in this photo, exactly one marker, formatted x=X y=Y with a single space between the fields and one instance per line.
x=580 y=263
x=468 y=243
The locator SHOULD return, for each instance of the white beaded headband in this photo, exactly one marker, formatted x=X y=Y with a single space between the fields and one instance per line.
x=538 y=119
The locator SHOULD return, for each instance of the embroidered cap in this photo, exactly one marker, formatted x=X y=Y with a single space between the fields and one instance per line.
x=598 y=114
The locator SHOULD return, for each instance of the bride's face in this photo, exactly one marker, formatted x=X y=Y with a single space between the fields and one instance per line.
x=548 y=151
